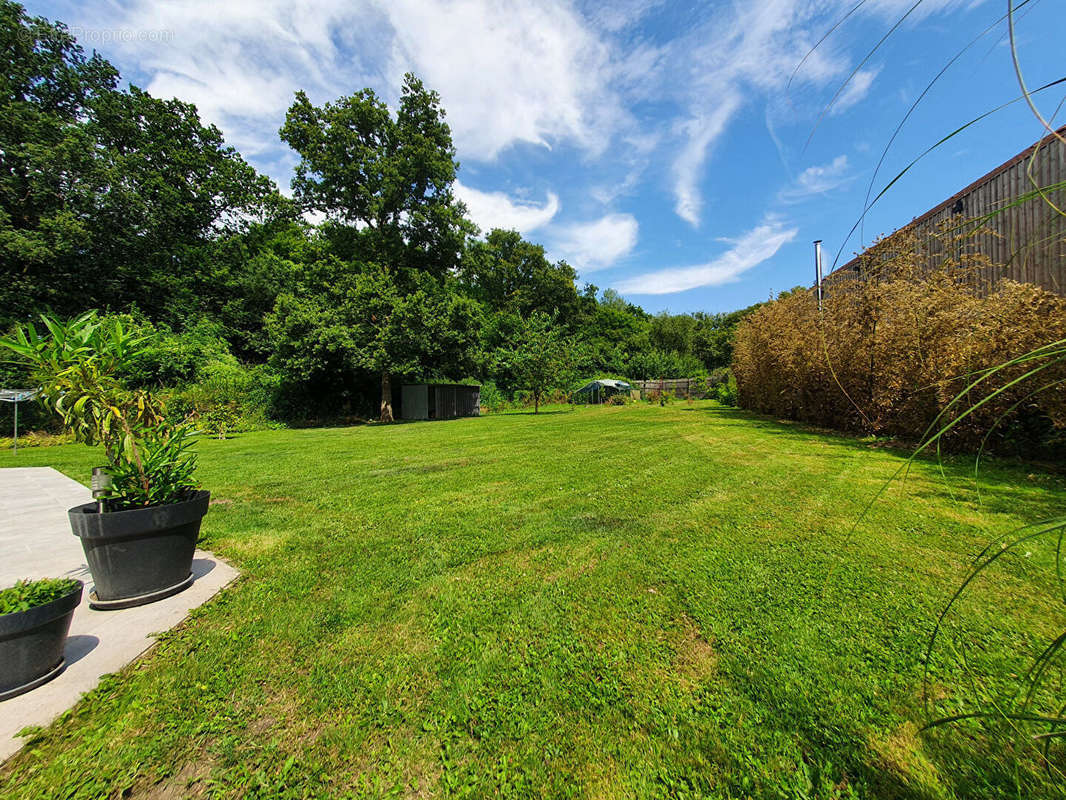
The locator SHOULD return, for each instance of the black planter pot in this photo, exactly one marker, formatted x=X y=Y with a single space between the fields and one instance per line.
x=31 y=644
x=141 y=555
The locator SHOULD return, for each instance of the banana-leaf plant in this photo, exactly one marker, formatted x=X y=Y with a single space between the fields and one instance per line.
x=78 y=365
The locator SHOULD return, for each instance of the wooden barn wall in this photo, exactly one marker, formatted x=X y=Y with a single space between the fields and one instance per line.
x=1024 y=242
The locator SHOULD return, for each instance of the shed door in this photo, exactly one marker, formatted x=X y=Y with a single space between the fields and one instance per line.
x=415 y=402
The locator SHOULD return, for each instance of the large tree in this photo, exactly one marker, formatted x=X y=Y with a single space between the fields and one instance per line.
x=359 y=323
x=108 y=197
x=384 y=185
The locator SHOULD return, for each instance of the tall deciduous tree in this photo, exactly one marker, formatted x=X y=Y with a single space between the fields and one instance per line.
x=363 y=323
x=384 y=184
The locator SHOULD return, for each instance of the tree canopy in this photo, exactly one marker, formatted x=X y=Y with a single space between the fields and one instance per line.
x=106 y=194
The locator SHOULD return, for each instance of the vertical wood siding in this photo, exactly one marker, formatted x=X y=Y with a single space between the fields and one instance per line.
x=1024 y=241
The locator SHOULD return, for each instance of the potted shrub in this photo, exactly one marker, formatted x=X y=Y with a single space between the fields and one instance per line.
x=34 y=622
x=140 y=535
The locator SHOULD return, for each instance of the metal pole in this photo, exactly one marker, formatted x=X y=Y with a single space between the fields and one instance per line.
x=15 y=438
x=818 y=269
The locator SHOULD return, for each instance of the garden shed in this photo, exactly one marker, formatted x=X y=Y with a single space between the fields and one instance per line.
x=439 y=401
x=598 y=391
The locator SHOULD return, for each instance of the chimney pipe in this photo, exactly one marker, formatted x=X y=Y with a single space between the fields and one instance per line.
x=818 y=269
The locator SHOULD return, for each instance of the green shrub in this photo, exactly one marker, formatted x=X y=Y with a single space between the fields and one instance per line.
x=228 y=398
x=492 y=398
x=718 y=376
x=77 y=364
x=172 y=358
x=651 y=364
x=25 y=595
x=725 y=392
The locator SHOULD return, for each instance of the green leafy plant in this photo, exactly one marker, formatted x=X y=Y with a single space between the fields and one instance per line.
x=77 y=364
x=25 y=595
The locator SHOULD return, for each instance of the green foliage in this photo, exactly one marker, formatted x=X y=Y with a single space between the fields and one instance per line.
x=361 y=323
x=512 y=276
x=105 y=193
x=541 y=358
x=169 y=358
x=491 y=397
x=652 y=363
x=25 y=595
x=77 y=364
x=725 y=391
x=227 y=398
x=160 y=472
x=383 y=182
x=714 y=335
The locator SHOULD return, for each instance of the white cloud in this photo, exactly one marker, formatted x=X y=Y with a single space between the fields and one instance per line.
x=508 y=72
x=598 y=244
x=688 y=168
x=858 y=87
x=752 y=249
x=497 y=210
x=533 y=72
x=818 y=180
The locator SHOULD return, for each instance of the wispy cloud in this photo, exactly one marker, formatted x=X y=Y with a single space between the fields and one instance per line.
x=497 y=210
x=818 y=180
x=752 y=249
x=856 y=90
x=688 y=168
x=508 y=72
x=749 y=52
x=596 y=245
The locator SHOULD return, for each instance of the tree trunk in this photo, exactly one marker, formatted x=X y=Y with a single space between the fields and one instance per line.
x=536 y=402
x=386 y=397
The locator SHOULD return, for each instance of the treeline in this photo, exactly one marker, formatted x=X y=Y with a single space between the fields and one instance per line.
x=113 y=199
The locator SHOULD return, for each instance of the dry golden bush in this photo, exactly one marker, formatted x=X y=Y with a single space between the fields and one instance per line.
x=897 y=340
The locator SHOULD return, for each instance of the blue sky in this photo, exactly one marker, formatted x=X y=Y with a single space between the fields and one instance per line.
x=670 y=150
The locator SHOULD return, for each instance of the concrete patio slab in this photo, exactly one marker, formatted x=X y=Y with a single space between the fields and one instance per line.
x=36 y=542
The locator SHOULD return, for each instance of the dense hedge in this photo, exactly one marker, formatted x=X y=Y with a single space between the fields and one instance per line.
x=891 y=350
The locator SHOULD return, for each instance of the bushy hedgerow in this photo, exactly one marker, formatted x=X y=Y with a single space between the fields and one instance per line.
x=894 y=346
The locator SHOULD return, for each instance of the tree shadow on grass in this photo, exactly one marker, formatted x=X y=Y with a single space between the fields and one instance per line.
x=999 y=478
x=535 y=413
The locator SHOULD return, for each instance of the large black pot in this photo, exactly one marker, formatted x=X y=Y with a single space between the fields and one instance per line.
x=32 y=642
x=140 y=555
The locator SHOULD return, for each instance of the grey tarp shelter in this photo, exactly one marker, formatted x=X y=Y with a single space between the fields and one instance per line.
x=599 y=390
x=16 y=396
x=439 y=401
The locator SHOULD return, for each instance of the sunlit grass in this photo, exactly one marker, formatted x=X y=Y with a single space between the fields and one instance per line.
x=615 y=601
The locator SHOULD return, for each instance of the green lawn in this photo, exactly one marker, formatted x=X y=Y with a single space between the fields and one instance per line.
x=611 y=602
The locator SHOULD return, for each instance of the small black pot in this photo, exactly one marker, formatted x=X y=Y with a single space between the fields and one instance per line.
x=140 y=555
x=32 y=642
